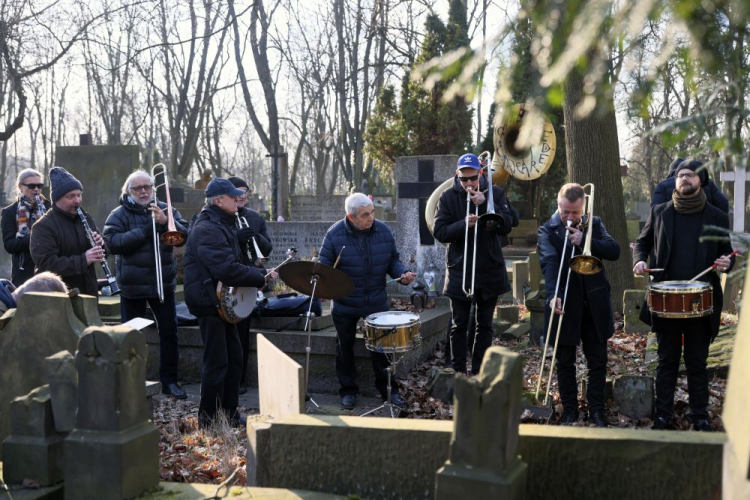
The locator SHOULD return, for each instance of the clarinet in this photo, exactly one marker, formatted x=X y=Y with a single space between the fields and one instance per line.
x=113 y=288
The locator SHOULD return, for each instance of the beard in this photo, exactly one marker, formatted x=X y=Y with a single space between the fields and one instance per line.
x=687 y=189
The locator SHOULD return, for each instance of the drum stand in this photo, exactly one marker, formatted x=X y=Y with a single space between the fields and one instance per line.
x=308 y=348
x=394 y=410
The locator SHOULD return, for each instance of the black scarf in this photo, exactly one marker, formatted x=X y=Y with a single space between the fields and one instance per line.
x=689 y=205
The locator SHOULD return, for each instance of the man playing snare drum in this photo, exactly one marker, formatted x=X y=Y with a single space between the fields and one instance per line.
x=673 y=230
x=368 y=252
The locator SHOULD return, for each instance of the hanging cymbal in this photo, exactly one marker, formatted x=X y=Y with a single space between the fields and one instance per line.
x=332 y=283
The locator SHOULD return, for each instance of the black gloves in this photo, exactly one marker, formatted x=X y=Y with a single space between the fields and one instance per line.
x=245 y=234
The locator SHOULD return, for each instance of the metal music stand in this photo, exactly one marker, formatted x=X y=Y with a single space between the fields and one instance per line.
x=305 y=277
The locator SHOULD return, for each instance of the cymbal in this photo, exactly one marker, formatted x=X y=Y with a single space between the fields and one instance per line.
x=332 y=283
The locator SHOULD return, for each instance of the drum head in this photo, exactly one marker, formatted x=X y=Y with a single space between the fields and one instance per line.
x=392 y=318
x=679 y=286
x=246 y=297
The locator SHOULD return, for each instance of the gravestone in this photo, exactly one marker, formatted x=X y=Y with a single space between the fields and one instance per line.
x=314 y=208
x=113 y=452
x=736 y=469
x=63 y=388
x=44 y=324
x=632 y=303
x=634 y=395
x=33 y=451
x=280 y=381
x=417 y=177
x=732 y=287
x=483 y=462
x=520 y=280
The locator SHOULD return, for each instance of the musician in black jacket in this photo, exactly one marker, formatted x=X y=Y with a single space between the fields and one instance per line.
x=587 y=318
x=253 y=227
x=129 y=232
x=673 y=231
x=213 y=255
x=17 y=219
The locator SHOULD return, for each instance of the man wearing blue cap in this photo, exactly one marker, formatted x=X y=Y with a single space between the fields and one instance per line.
x=213 y=255
x=490 y=277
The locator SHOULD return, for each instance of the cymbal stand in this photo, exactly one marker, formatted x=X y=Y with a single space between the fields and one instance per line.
x=394 y=410
x=308 y=347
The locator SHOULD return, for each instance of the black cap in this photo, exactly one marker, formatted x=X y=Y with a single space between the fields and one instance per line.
x=238 y=183
x=218 y=187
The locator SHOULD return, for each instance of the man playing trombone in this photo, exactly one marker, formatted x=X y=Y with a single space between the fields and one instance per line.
x=251 y=226
x=476 y=267
x=129 y=231
x=588 y=318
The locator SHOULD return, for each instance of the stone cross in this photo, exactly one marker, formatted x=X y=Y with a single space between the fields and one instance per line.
x=483 y=462
x=740 y=176
x=422 y=189
x=113 y=451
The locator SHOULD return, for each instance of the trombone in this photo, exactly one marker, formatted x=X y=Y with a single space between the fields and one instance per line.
x=489 y=220
x=586 y=263
x=171 y=236
x=261 y=260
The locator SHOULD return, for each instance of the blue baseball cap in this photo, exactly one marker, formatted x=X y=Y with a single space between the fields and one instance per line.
x=469 y=161
x=218 y=187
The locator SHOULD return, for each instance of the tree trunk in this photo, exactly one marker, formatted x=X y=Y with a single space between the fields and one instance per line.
x=593 y=156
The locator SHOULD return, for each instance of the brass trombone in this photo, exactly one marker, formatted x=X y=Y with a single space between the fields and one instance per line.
x=586 y=263
x=171 y=236
x=488 y=220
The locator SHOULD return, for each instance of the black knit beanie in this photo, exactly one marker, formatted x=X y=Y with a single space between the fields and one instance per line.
x=697 y=167
x=62 y=183
x=238 y=183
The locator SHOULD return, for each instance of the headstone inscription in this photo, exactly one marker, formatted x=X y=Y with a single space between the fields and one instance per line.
x=113 y=451
x=483 y=462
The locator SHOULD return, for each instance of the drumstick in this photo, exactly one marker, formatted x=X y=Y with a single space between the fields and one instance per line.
x=394 y=280
x=649 y=270
x=714 y=266
x=339 y=257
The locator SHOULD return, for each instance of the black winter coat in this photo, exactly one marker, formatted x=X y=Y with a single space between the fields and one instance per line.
x=18 y=248
x=658 y=235
x=594 y=289
x=59 y=244
x=450 y=229
x=129 y=232
x=213 y=254
x=256 y=222
x=369 y=255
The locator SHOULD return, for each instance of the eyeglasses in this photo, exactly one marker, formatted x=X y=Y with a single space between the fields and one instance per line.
x=33 y=186
x=145 y=187
x=686 y=175
x=470 y=178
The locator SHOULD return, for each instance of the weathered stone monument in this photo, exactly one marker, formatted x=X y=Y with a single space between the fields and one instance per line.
x=43 y=325
x=736 y=470
x=113 y=451
x=483 y=460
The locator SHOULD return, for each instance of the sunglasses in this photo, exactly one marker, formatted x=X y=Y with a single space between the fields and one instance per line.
x=470 y=178
x=33 y=186
x=145 y=187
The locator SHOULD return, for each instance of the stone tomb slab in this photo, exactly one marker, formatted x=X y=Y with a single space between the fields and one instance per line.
x=280 y=381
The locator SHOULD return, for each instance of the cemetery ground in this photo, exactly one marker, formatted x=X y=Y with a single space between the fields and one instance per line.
x=217 y=456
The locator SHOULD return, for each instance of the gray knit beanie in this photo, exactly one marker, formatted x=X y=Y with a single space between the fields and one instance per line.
x=62 y=183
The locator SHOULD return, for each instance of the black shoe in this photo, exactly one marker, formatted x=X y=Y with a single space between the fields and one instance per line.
x=569 y=417
x=397 y=400
x=702 y=425
x=598 y=418
x=174 y=390
x=243 y=389
x=348 y=401
x=661 y=424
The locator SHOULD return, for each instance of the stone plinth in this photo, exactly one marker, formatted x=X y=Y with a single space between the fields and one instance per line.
x=632 y=303
x=33 y=451
x=63 y=388
x=113 y=452
x=43 y=325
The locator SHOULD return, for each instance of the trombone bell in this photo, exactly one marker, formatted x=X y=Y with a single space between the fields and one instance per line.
x=585 y=264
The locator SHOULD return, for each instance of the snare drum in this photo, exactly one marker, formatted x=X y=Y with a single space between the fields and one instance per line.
x=392 y=331
x=680 y=299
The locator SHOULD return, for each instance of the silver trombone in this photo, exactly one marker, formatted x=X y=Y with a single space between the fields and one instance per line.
x=261 y=259
x=470 y=292
x=489 y=219
x=551 y=320
x=171 y=236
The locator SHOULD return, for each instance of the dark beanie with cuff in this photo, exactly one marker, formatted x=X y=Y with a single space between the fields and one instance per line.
x=62 y=183
x=697 y=167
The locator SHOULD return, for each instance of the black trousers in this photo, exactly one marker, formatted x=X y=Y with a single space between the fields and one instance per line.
x=461 y=316
x=222 y=366
x=697 y=335
x=243 y=329
x=166 y=324
x=596 y=358
x=346 y=368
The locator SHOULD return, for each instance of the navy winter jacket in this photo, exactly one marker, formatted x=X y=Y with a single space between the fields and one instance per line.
x=213 y=254
x=129 y=232
x=369 y=255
